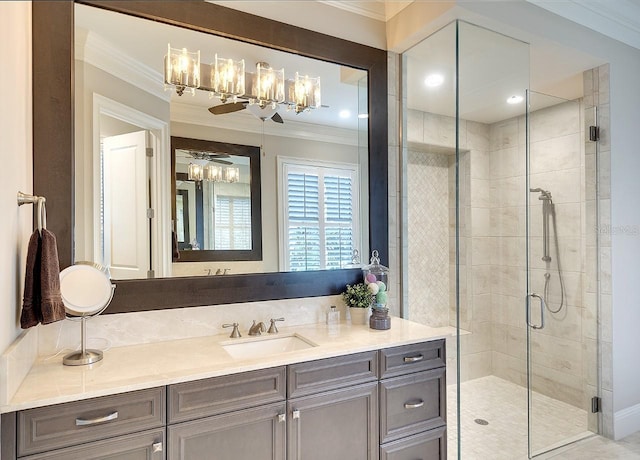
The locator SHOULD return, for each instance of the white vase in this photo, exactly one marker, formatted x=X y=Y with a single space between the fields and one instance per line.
x=360 y=316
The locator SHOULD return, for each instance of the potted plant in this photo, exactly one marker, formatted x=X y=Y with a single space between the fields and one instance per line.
x=358 y=298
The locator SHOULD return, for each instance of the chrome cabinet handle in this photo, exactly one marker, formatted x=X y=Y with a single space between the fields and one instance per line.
x=157 y=447
x=296 y=414
x=543 y=307
x=93 y=421
x=414 y=405
x=282 y=418
x=413 y=359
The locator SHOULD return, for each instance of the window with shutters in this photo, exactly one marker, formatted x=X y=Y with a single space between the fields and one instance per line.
x=318 y=214
x=233 y=222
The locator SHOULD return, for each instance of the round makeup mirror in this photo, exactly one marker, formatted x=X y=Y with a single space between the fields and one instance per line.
x=86 y=291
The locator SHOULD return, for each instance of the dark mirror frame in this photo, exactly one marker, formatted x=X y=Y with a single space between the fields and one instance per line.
x=54 y=139
x=253 y=153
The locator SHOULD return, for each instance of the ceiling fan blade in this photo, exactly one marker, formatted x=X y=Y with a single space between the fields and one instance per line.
x=277 y=118
x=227 y=108
x=223 y=162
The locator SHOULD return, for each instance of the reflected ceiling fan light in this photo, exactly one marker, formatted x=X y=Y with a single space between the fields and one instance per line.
x=268 y=85
x=213 y=173
x=195 y=172
x=304 y=93
x=434 y=80
x=515 y=99
x=344 y=114
x=232 y=174
x=227 y=78
x=182 y=70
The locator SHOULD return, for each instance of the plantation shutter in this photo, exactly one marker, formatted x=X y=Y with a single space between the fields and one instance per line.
x=320 y=221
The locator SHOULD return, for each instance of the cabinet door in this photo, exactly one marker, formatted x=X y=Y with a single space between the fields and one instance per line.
x=257 y=434
x=339 y=424
x=148 y=445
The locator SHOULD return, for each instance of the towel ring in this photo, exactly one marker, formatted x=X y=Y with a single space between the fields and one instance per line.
x=41 y=211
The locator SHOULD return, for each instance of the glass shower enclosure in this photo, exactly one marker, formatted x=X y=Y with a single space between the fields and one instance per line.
x=498 y=191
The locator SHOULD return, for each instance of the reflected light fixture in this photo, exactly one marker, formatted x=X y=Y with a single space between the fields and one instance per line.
x=515 y=99
x=195 y=172
x=304 y=92
x=232 y=174
x=434 y=80
x=227 y=78
x=182 y=70
x=268 y=86
x=213 y=173
x=363 y=115
x=344 y=114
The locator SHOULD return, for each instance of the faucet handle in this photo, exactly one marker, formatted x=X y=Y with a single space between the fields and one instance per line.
x=272 y=328
x=236 y=332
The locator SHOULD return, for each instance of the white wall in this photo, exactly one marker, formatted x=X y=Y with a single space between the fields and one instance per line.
x=16 y=159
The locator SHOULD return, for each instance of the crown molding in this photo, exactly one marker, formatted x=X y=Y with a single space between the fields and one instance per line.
x=95 y=50
x=371 y=9
x=245 y=122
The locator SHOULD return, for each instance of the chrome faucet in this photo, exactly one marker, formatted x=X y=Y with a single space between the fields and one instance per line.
x=235 y=333
x=272 y=328
x=257 y=329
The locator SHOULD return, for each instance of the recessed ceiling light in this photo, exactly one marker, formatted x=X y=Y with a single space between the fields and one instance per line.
x=515 y=99
x=344 y=114
x=434 y=80
x=363 y=115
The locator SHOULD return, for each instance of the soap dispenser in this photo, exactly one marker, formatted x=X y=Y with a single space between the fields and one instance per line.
x=333 y=315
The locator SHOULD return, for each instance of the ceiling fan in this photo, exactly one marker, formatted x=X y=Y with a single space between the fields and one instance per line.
x=268 y=112
x=209 y=156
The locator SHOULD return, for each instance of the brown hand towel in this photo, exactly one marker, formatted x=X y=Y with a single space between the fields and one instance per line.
x=174 y=246
x=31 y=314
x=52 y=306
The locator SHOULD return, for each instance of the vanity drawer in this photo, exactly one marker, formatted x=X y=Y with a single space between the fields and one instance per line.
x=68 y=424
x=327 y=374
x=148 y=445
x=412 y=358
x=431 y=445
x=412 y=403
x=202 y=398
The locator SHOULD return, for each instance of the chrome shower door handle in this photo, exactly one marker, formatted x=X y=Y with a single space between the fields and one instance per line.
x=542 y=309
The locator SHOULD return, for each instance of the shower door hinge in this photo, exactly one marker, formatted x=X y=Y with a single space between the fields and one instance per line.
x=596 y=405
x=594 y=133
x=150 y=213
x=151 y=274
x=149 y=151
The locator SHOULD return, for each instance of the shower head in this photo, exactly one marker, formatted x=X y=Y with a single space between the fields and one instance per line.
x=544 y=194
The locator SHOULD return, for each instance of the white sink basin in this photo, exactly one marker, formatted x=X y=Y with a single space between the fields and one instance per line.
x=256 y=347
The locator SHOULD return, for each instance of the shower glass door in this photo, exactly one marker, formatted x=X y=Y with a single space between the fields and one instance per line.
x=559 y=312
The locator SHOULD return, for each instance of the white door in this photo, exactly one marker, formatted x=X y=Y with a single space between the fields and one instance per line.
x=126 y=201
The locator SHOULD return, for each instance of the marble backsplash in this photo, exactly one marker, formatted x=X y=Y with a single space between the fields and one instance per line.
x=106 y=331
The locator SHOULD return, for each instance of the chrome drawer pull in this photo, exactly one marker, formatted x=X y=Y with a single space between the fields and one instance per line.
x=413 y=405
x=157 y=447
x=282 y=418
x=93 y=421
x=413 y=359
x=296 y=414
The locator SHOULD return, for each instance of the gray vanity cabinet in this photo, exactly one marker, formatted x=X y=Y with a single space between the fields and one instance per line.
x=238 y=416
x=256 y=433
x=413 y=402
x=386 y=404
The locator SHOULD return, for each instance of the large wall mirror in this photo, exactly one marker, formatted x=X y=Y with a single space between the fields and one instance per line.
x=113 y=205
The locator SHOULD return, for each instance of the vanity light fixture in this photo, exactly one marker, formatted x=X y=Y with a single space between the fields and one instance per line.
x=515 y=99
x=232 y=174
x=304 y=93
x=227 y=78
x=182 y=70
x=195 y=172
x=213 y=173
x=268 y=86
x=434 y=80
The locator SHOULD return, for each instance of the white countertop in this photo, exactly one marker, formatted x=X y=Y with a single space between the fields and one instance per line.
x=156 y=364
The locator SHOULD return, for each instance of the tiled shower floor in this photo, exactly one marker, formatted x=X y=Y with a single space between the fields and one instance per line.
x=504 y=405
